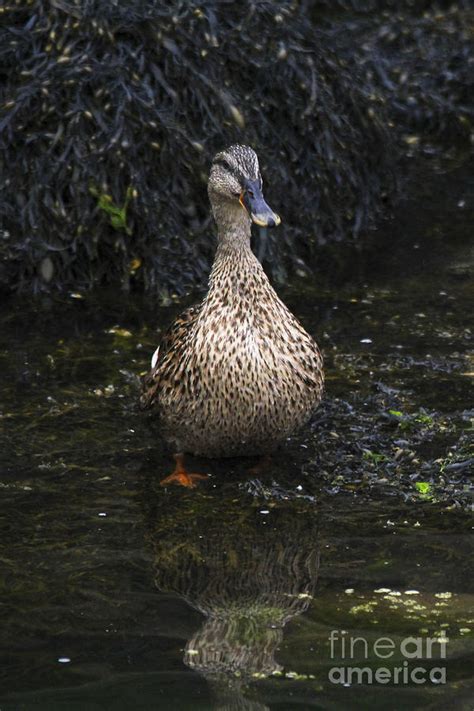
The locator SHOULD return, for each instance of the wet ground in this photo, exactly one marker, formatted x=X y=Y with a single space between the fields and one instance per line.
x=119 y=594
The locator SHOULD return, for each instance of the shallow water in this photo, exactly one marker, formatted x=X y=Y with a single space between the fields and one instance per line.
x=119 y=594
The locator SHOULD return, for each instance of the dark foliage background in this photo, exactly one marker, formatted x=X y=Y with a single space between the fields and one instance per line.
x=111 y=112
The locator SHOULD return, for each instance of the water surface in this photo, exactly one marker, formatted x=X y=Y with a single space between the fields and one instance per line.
x=119 y=594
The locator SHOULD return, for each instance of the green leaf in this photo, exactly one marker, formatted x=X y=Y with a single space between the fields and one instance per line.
x=424 y=419
x=375 y=457
x=117 y=215
x=424 y=487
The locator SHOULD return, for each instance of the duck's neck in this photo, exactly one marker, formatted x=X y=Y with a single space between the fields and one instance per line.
x=233 y=227
x=234 y=262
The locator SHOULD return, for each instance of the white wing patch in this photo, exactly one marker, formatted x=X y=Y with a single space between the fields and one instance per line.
x=154 y=358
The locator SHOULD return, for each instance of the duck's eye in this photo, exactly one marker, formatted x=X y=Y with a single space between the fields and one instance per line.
x=250 y=193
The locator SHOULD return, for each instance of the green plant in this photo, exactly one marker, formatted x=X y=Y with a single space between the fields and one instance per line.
x=117 y=215
x=375 y=457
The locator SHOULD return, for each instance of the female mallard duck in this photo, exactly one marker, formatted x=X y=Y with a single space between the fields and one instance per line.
x=237 y=373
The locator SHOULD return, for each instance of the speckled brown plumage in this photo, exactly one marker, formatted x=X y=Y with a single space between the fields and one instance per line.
x=236 y=374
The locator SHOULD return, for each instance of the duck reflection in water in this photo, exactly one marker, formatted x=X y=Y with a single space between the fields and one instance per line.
x=247 y=572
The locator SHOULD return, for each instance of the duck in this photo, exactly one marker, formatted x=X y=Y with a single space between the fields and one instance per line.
x=236 y=374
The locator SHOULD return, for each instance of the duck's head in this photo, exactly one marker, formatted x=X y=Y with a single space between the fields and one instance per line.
x=235 y=180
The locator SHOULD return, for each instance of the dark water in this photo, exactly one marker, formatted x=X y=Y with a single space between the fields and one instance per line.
x=119 y=594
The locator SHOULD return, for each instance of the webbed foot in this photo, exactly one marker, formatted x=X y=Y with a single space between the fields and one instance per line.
x=181 y=476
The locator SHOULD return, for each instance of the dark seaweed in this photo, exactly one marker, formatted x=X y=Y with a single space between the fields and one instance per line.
x=111 y=112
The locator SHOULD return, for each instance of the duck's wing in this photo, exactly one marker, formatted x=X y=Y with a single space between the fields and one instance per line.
x=172 y=341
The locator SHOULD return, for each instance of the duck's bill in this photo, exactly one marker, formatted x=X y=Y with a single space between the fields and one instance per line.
x=260 y=213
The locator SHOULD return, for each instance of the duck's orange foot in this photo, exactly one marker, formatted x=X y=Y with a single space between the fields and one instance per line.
x=181 y=476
